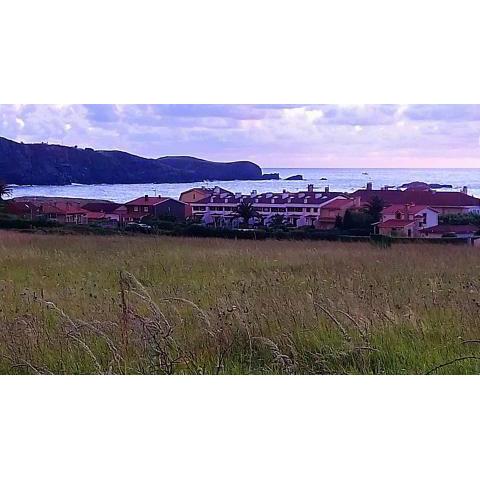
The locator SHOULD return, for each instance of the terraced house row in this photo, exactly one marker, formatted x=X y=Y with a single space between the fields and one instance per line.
x=308 y=208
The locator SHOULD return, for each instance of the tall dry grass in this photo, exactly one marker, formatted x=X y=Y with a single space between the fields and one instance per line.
x=168 y=305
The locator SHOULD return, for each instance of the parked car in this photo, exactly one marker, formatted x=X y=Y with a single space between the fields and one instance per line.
x=138 y=227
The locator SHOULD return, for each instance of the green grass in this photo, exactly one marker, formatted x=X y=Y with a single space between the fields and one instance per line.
x=186 y=305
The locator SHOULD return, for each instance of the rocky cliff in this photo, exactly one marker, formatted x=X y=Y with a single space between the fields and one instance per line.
x=44 y=164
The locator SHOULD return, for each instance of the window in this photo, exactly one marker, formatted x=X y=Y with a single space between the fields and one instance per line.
x=135 y=209
x=145 y=209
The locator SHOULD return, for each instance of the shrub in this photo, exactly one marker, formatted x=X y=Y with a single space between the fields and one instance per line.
x=11 y=221
x=460 y=219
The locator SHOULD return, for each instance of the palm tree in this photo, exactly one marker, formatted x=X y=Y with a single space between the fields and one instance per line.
x=246 y=211
x=5 y=190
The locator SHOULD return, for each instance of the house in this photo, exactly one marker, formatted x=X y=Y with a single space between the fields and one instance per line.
x=329 y=212
x=299 y=209
x=21 y=209
x=199 y=193
x=63 y=212
x=461 y=231
x=428 y=216
x=103 y=212
x=155 y=207
x=55 y=211
x=406 y=220
x=443 y=202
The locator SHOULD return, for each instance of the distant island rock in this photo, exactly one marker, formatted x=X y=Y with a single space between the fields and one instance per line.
x=271 y=176
x=295 y=177
x=424 y=186
x=44 y=164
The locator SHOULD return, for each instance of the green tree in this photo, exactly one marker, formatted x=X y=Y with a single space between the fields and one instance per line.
x=338 y=222
x=278 y=221
x=356 y=219
x=374 y=208
x=348 y=220
x=246 y=211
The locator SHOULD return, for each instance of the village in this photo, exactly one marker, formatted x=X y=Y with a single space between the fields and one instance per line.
x=417 y=211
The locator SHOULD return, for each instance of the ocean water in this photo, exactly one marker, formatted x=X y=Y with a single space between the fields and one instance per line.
x=338 y=179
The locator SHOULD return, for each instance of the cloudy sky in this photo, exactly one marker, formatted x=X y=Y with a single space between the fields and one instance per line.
x=270 y=135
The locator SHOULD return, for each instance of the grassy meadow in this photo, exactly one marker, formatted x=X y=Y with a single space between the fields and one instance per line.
x=160 y=305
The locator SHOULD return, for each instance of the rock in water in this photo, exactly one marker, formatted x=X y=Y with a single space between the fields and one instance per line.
x=295 y=177
x=271 y=176
x=424 y=185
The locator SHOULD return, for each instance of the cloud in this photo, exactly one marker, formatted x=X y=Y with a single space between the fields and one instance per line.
x=273 y=135
x=445 y=113
x=102 y=113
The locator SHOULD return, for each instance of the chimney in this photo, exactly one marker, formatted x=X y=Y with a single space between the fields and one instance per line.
x=327 y=189
x=159 y=196
x=465 y=190
x=310 y=187
x=146 y=198
x=254 y=192
x=369 y=186
x=285 y=190
x=407 y=211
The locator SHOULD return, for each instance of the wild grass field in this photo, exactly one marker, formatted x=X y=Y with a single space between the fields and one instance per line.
x=160 y=305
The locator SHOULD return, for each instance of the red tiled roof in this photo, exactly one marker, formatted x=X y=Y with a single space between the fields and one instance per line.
x=338 y=204
x=412 y=209
x=49 y=208
x=95 y=215
x=147 y=201
x=312 y=198
x=20 y=208
x=429 y=197
x=210 y=190
x=106 y=207
x=62 y=209
x=394 y=223
x=71 y=208
x=452 y=229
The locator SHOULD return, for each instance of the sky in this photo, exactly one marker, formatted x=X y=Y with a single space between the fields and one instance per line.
x=421 y=136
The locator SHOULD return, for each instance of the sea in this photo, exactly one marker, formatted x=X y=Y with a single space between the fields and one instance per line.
x=337 y=179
